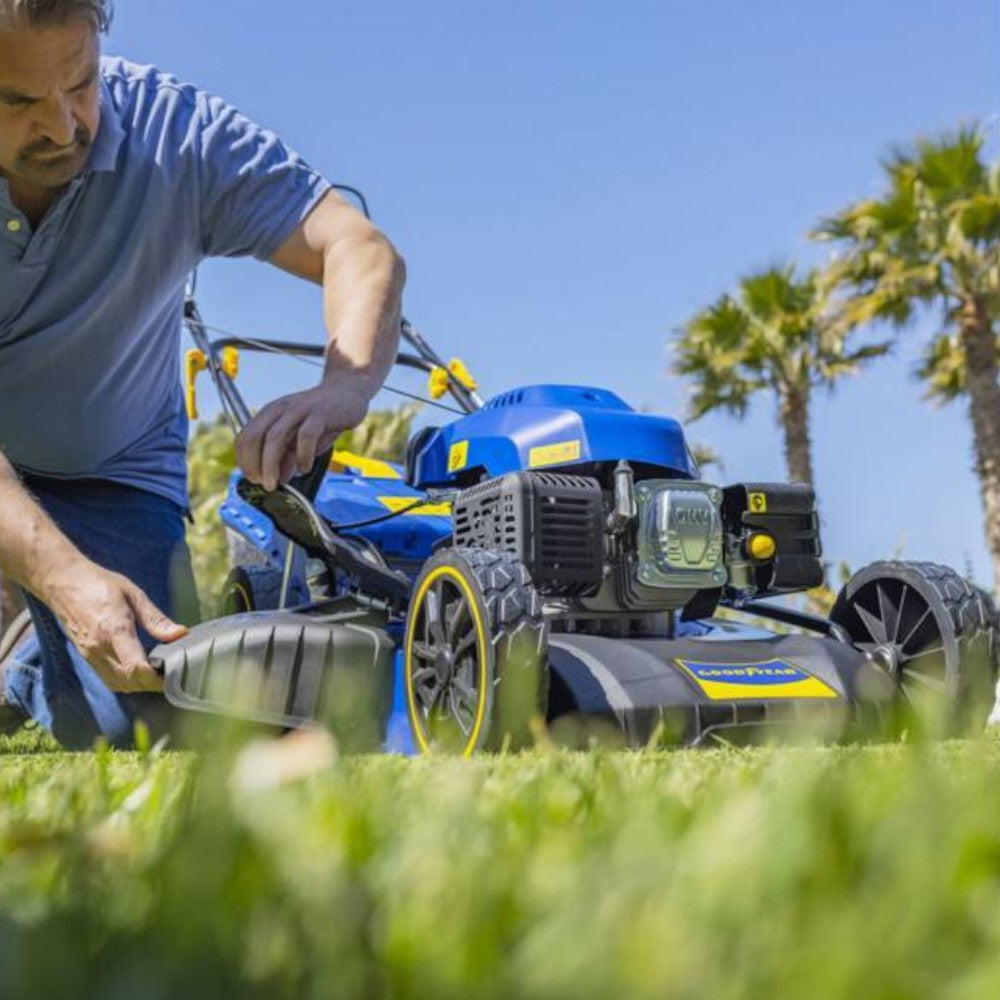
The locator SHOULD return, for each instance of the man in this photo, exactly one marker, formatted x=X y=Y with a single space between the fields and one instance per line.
x=115 y=181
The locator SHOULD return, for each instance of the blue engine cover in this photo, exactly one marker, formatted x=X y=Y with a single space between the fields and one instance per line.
x=543 y=426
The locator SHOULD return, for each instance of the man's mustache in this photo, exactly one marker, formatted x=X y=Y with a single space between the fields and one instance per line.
x=81 y=140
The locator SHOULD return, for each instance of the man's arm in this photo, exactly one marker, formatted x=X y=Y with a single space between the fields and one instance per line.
x=97 y=608
x=362 y=278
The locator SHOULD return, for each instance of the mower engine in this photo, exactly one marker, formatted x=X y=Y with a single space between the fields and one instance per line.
x=652 y=546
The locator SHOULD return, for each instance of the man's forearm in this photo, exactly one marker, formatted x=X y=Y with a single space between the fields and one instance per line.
x=362 y=288
x=31 y=546
x=99 y=610
x=362 y=278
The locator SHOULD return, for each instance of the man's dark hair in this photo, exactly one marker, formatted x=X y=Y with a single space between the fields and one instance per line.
x=37 y=13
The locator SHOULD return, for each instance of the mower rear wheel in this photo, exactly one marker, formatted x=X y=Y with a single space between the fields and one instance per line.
x=929 y=628
x=256 y=588
x=475 y=653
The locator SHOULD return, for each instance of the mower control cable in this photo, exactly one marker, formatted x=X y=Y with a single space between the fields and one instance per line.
x=382 y=518
x=272 y=348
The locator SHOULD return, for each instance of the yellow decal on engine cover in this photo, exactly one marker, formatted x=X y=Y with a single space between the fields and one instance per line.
x=367 y=468
x=424 y=510
x=758 y=503
x=554 y=454
x=458 y=456
x=755 y=681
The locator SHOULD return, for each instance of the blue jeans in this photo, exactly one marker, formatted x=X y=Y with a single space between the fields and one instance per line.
x=129 y=531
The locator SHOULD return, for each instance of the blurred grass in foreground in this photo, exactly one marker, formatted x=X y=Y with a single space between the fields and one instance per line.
x=862 y=873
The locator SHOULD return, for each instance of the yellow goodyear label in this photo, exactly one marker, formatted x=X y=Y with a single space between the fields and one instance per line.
x=554 y=454
x=758 y=503
x=424 y=510
x=458 y=456
x=755 y=681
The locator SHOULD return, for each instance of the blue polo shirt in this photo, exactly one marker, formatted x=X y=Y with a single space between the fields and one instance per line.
x=90 y=302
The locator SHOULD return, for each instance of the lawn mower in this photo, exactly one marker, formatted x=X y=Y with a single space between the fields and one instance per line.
x=551 y=563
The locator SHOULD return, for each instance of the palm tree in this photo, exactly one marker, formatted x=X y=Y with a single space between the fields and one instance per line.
x=706 y=457
x=933 y=238
x=779 y=334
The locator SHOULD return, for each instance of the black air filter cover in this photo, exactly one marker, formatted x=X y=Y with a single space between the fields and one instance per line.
x=553 y=523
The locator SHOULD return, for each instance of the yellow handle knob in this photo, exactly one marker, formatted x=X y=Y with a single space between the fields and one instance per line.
x=437 y=383
x=462 y=374
x=230 y=361
x=194 y=362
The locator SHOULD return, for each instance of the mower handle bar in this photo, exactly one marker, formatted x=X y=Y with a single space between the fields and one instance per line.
x=235 y=406
x=302 y=350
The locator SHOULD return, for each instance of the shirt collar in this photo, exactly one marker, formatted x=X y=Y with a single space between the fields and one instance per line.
x=109 y=138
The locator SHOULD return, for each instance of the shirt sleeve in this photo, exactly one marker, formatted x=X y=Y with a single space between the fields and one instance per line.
x=255 y=191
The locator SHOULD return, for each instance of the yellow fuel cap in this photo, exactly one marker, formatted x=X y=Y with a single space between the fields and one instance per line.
x=761 y=546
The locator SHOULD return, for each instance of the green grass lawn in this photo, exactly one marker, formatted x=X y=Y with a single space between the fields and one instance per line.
x=281 y=871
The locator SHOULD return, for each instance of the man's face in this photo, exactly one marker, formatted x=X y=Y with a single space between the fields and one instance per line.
x=49 y=101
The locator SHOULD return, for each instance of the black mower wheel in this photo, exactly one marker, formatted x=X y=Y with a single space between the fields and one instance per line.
x=931 y=630
x=256 y=588
x=475 y=653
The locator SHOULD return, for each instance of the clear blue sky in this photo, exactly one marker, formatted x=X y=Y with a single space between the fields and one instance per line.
x=570 y=180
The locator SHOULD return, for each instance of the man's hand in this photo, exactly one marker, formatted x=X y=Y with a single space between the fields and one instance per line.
x=287 y=435
x=362 y=278
x=100 y=612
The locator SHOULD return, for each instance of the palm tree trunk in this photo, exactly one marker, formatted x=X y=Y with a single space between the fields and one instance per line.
x=794 y=418
x=982 y=376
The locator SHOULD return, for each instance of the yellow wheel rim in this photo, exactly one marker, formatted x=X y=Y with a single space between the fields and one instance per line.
x=244 y=596
x=456 y=577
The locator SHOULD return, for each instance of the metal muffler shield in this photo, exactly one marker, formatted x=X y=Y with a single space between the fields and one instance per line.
x=287 y=670
x=680 y=534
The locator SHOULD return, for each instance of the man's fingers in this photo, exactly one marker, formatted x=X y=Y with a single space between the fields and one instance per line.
x=132 y=672
x=302 y=426
x=307 y=444
x=250 y=443
x=152 y=619
x=275 y=445
x=143 y=678
x=287 y=468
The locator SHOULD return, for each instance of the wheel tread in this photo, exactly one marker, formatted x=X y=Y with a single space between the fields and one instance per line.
x=971 y=610
x=513 y=606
